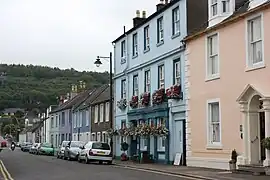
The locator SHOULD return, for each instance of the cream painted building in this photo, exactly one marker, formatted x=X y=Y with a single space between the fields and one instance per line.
x=228 y=79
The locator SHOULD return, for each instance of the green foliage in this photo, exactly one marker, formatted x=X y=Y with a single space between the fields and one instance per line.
x=31 y=86
x=266 y=143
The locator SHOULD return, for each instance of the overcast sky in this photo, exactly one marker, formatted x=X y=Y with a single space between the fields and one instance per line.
x=64 y=33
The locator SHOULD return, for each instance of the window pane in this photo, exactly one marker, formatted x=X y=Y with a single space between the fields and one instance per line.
x=256 y=52
x=215 y=112
x=216 y=133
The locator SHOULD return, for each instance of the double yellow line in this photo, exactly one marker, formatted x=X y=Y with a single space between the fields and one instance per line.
x=5 y=172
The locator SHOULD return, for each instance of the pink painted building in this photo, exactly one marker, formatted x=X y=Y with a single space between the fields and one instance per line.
x=228 y=75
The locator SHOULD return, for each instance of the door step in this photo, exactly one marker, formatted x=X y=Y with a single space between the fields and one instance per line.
x=254 y=169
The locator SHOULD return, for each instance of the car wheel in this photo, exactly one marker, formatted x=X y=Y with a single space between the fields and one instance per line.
x=79 y=159
x=109 y=162
x=100 y=162
x=69 y=158
x=86 y=160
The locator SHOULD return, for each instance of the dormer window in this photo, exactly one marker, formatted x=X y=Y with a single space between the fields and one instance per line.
x=214 y=7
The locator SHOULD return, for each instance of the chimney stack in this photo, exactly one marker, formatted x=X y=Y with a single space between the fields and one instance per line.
x=138 y=19
x=160 y=5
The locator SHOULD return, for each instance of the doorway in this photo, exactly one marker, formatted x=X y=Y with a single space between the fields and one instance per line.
x=262 y=135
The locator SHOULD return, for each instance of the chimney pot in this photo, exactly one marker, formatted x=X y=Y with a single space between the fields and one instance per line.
x=138 y=14
x=144 y=14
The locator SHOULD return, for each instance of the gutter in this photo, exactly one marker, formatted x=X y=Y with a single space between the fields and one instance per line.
x=227 y=22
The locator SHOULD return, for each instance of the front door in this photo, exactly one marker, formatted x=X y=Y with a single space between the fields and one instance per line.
x=179 y=138
x=262 y=135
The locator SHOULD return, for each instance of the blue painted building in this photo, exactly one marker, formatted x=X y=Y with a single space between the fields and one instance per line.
x=149 y=58
x=81 y=119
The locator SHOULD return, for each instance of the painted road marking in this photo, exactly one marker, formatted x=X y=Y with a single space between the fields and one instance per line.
x=166 y=174
x=6 y=171
x=3 y=173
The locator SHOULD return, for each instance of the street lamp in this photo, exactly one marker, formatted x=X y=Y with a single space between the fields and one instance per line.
x=98 y=63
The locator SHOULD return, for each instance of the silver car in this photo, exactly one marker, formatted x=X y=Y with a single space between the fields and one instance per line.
x=34 y=148
x=62 y=146
x=72 y=150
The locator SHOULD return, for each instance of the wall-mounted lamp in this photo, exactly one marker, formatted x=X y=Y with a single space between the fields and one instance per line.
x=183 y=43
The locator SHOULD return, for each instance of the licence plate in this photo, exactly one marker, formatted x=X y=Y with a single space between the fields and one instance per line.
x=100 y=152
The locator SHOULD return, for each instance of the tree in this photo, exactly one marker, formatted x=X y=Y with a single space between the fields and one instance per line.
x=25 y=85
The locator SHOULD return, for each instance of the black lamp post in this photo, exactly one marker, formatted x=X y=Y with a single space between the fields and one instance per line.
x=98 y=63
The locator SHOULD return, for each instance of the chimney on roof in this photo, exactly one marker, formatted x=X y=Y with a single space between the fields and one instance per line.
x=138 y=19
x=161 y=4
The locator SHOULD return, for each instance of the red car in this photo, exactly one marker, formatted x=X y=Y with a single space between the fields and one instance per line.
x=4 y=144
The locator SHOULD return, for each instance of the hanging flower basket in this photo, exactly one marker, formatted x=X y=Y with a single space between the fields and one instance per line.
x=112 y=132
x=162 y=131
x=145 y=98
x=174 y=92
x=134 y=102
x=144 y=130
x=158 y=96
x=266 y=143
x=131 y=131
x=122 y=104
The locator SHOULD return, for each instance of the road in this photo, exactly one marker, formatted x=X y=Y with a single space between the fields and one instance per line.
x=24 y=166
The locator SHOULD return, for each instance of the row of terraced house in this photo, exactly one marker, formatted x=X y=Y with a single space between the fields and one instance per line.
x=199 y=69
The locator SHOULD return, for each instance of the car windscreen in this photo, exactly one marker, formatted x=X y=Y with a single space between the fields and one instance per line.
x=47 y=145
x=65 y=143
x=102 y=146
x=76 y=144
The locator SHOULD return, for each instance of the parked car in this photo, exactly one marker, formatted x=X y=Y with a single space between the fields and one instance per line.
x=46 y=149
x=34 y=148
x=25 y=147
x=72 y=150
x=95 y=151
x=60 y=152
x=3 y=143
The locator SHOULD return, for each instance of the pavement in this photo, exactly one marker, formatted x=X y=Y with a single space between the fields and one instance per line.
x=19 y=165
x=192 y=172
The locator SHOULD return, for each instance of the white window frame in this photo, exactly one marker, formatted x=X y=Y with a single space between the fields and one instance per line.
x=81 y=118
x=160 y=24
x=209 y=74
x=143 y=143
x=147 y=81
x=74 y=120
x=98 y=136
x=210 y=143
x=107 y=112
x=146 y=38
x=87 y=117
x=124 y=88
x=93 y=137
x=176 y=20
x=176 y=68
x=105 y=137
x=228 y=6
x=161 y=76
x=213 y=4
x=136 y=85
x=135 y=44
x=123 y=49
x=101 y=112
x=249 y=62
x=96 y=114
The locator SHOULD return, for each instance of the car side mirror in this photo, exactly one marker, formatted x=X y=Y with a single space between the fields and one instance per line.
x=81 y=147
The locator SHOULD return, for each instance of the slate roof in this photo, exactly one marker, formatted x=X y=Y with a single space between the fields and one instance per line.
x=84 y=98
x=241 y=8
x=95 y=95
x=104 y=96
x=70 y=103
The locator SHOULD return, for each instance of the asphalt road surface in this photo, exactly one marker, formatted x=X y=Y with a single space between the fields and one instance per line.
x=24 y=166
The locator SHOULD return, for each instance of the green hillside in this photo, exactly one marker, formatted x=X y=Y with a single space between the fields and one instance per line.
x=26 y=86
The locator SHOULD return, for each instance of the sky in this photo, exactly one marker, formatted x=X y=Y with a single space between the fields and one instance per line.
x=64 y=33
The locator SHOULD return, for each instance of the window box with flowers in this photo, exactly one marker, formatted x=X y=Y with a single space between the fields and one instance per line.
x=158 y=97
x=123 y=132
x=122 y=104
x=174 y=92
x=133 y=103
x=112 y=132
x=145 y=99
